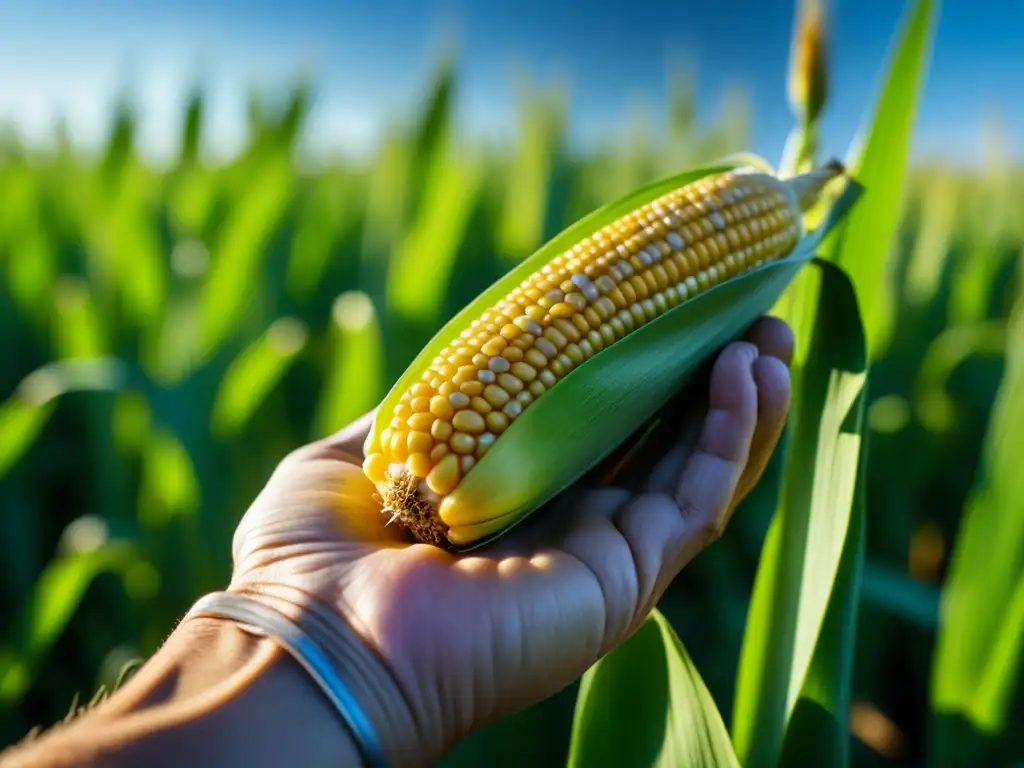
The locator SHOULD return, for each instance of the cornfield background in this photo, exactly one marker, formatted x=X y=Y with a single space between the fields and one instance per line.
x=168 y=334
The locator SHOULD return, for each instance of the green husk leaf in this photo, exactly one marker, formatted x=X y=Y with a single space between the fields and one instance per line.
x=597 y=407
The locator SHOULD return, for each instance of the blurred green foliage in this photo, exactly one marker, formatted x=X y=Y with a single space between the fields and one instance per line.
x=168 y=334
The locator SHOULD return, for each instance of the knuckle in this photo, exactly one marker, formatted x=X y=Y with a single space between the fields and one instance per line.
x=706 y=526
x=711 y=529
x=295 y=456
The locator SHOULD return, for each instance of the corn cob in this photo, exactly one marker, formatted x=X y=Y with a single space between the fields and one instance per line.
x=586 y=299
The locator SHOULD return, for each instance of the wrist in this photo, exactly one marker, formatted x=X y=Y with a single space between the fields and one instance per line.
x=376 y=692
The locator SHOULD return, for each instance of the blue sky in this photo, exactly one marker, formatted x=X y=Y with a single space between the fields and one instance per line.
x=373 y=58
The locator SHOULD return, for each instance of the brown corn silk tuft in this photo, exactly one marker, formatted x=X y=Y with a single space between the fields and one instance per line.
x=621 y=277
x=402 y=499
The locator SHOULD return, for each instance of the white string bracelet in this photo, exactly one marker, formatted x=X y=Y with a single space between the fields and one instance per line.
x=264 y=620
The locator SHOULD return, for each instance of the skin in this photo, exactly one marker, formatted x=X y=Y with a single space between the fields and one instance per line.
x=433 y=644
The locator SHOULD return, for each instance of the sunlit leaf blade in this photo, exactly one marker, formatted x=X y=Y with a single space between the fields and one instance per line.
x=21 y=423
x=987 y=226
x=135 y=241
x=191 y=129
x=78 y=329
x=241 y=245
x=191 y=199
x=947 y=351
x=977 y=666
x=879 y=160
x=31 y=270
x=53 y=601
x=24 y=415
x=332 y=208
x=646 y=704
x=934 y=238
x=252 y=376
x=524 y=211
x=386 y=197
x=791 y=653
x=355 y=374
x=817 y=729
x=169 y=486
x=404 y=165
x=432 y=243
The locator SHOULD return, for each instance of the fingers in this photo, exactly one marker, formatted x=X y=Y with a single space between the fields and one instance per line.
x=710 y=477
x=667 y=529
x=773 y=338
x=773 y=398
x=665 y=474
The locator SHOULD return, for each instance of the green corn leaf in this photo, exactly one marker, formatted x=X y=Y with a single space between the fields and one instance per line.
x=794 y=678
x=934 y=238
x=169 y=486
x=595 y=408
x=332 y=209
x=422 y=266
x=240 y=249
x=31 y=276
x=24 y=415
x=355 y=376
x=191 y=199
x=794 y=682
x=79 y=328
x=387 y=197
x=878 y=160
x=53 y=601
x=936 y=410
x=21 y=423
x=980 y=650
x=646 y=704
x=135 y=242
x=254 y=373
x=524 y=213
x=191 y=129
x=988 y=227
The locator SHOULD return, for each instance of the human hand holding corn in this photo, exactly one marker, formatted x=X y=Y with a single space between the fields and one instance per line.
x=438 y=643
x=432 y=643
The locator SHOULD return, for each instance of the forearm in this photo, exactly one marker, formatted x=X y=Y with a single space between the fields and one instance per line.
x=212 y=695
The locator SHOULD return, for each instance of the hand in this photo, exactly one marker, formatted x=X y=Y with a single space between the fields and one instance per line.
x=445 y=643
